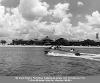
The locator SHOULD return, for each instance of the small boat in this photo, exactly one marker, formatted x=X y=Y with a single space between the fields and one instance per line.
x=58 y=50
x=69 y=53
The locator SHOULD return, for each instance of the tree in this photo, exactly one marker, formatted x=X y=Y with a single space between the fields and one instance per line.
x=3 y=42
x=47 y=41
x=88 y=42
x=61 y=41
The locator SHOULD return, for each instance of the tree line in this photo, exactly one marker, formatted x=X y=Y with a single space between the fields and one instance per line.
x=48 y=41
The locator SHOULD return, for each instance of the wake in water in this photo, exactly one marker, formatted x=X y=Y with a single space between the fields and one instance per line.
x=82 y=55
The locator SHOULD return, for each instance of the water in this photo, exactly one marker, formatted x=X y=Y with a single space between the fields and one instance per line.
x=31 y=61
x=13 y=59
x=82 y=55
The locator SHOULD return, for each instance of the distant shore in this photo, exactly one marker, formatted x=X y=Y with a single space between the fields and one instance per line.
x=48 y=46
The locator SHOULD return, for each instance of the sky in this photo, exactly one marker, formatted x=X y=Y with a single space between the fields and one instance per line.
x=35 y=19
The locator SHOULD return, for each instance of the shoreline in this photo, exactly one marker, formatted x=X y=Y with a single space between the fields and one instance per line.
x=48 y=46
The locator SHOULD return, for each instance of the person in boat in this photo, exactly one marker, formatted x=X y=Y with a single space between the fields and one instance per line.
x=48 y=49
x=75 y=51
x=55 y=47
x=72 y=50
x=51 y=47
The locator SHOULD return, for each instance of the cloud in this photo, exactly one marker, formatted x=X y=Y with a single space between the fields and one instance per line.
x=61 y=28
x=8 y=23
x=24 y=25
x=60 y=10
x=79 y=3
x=15 y=26
x=10 y=3
x=89 y=28
x=94 y=18
x=53 y=28
x=85 y=31
x=32 y=9
x=35 y=9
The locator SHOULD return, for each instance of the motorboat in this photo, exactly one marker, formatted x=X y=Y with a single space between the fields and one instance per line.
x=59 y=50
x=70 y=53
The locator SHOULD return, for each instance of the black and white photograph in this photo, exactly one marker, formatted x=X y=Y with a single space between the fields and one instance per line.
x=50 y=38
